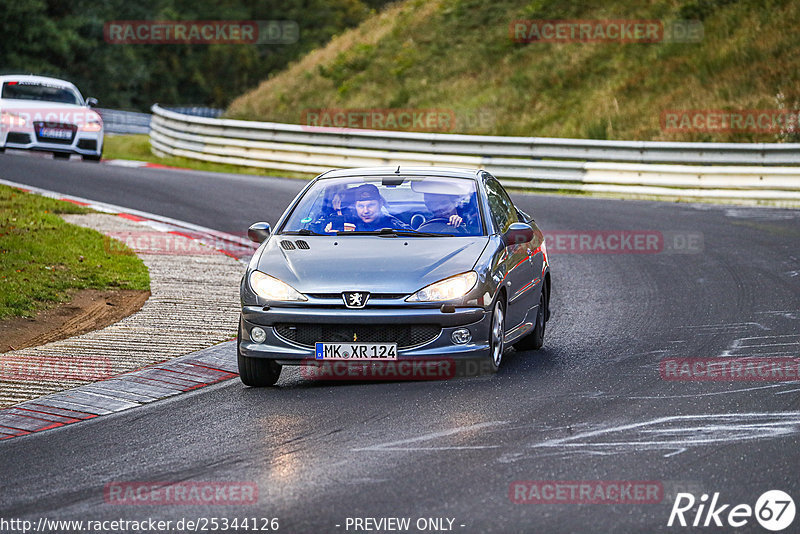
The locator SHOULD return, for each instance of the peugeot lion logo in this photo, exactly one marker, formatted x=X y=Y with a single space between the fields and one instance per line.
x=355 y=299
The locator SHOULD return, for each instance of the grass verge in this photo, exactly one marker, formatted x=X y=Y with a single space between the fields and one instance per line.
x=43 y=258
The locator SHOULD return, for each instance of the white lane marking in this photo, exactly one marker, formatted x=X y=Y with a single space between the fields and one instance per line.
x=714 y=393
x=702 y=429
x=722 y=326
x=769 y=337
x=758 y=346
x=395 y=445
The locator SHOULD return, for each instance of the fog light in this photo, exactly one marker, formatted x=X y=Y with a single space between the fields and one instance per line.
x=461 y=336
x=258 y=335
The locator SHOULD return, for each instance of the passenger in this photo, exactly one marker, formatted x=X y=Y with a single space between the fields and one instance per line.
x=339 y=217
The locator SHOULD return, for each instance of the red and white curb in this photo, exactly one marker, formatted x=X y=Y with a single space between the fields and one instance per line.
x=129 y=390
x=135 y=164
x=148 y=384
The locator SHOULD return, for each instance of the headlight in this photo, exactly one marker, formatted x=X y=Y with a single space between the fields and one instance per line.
x=271 y=288
x=447 y=289
x=12 y=120
x=92 y=126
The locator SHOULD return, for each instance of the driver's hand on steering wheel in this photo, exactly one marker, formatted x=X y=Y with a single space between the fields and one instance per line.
x=455 y=221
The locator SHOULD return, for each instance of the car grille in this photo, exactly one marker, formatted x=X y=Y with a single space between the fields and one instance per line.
x=37 y=126
x=372 y=296
x=404 y=335
x=18 y=138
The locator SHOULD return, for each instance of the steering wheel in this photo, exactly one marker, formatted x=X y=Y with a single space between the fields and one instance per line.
x=439 y=225
x=417 y=220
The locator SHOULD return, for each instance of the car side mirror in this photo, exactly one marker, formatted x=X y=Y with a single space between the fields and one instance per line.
x=518 y=233
x=91 y=102
x=258 y=232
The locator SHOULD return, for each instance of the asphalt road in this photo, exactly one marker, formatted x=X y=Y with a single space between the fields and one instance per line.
x=590 y=406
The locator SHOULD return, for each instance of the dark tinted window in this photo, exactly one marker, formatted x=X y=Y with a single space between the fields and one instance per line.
x=503 y=211
x=39 y=91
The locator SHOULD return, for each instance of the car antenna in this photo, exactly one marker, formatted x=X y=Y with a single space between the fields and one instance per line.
x=398 y=170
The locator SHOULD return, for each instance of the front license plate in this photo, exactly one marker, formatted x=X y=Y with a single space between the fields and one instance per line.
x=356 y=351
x=55 y=133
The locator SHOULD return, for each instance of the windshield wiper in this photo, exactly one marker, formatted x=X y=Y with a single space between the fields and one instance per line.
x=303 y=231
x=395 y=232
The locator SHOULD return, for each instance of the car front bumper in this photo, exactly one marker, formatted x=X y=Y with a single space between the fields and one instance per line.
x=285 y=352
x=83 y=143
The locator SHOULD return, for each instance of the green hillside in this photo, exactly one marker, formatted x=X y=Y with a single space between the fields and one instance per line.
x=458 y=55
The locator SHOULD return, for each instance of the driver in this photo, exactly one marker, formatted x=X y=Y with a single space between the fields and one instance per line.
x=444 y=207
x=369 y=210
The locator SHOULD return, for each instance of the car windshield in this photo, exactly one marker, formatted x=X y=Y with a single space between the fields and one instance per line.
x=388 y=205
x=40 y=91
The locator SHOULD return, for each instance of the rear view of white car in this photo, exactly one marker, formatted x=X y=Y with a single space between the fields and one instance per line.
x=50 y=115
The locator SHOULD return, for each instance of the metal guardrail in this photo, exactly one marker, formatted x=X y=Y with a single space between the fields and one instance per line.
x=124 y=122
x=197 y=111
x=629 y=167
x=116 y=121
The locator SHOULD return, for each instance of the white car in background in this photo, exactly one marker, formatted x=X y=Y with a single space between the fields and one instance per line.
x=50 y=115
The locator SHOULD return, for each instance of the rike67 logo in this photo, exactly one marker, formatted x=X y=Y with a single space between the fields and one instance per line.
x=774 y=510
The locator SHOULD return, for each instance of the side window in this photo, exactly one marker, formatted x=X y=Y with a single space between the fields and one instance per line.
x=503 y=211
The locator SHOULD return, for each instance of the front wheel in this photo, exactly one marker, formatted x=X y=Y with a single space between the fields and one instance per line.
x=256 y=372
x=497 y=335
x=92 y=157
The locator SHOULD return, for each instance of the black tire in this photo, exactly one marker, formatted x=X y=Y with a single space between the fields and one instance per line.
x=497 y=330
x=256 y=372
x=535 y=340
x=91 y=157
x=61 y=155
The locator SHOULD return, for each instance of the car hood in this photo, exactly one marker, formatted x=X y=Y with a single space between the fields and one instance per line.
x=368 y=263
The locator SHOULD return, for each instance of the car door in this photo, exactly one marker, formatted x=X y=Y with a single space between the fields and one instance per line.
x=516 y=258
x=537 y=252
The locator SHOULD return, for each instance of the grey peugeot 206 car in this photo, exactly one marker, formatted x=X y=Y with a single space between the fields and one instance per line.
x=393 y=265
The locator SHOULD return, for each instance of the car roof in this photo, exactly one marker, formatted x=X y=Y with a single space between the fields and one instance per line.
x=449 y=172
x=33 y=78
